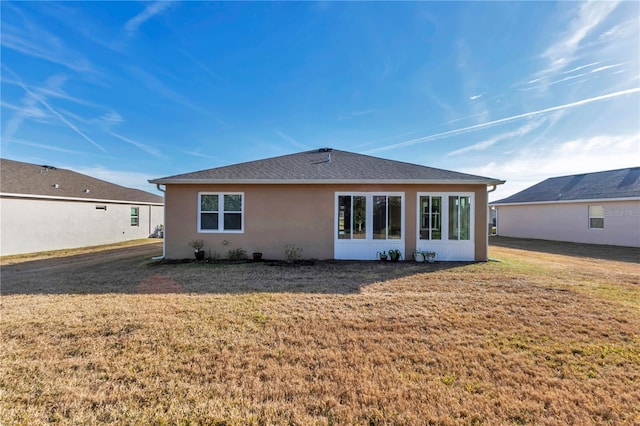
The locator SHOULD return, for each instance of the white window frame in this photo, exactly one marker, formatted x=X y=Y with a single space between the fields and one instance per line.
x=430 y=216
x=595 y=217
x=445 y=248
x=221 y=213
x=132 y=216
x=444 y=215
x=369 y=216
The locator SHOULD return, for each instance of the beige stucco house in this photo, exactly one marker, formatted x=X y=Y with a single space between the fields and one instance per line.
x=593 y=208
x=45 y=208
x=332 y=204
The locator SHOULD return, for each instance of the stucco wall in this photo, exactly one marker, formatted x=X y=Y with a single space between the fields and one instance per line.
x=32 y=225
x=570 y=222
x=277 y=215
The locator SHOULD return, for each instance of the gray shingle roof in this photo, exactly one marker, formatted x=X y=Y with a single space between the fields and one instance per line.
x=25 y=178
x=321 y=166
x=622 y=183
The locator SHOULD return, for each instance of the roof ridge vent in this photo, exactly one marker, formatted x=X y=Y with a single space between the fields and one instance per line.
x=326 y=149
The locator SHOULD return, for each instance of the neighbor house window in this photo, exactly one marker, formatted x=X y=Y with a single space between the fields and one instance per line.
x=596 y=217
x=220 y=212
x=459 y=217
x=135 y=216
x=370 y=216
x=430 y=217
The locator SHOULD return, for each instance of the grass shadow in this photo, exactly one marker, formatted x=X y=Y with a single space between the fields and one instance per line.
x=594 y=251
x=133 y=272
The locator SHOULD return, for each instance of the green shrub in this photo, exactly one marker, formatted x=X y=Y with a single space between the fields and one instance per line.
x=237 y=254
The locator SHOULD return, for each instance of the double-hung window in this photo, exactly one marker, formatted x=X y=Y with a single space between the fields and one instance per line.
x=135 y=216
x=220 y=212
x=596 y=217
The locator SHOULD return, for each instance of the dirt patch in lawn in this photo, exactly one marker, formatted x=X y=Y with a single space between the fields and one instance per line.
x=158 y=284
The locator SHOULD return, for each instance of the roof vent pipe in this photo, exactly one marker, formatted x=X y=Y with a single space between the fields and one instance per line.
x=56 y=186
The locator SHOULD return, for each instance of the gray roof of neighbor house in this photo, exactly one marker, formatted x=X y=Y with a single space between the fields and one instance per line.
x=325 y=165
x=621 y=183
x=50 y=182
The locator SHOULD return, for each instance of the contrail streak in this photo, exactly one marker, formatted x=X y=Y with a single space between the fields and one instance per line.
x=506 y=119
x=53 y=111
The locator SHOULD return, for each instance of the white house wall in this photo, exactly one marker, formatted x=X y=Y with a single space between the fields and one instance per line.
x=570 y=222
x=32 y=225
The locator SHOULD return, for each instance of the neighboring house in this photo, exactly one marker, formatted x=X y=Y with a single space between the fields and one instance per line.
x=594 y=208
x=331 y=204
x=46 y=208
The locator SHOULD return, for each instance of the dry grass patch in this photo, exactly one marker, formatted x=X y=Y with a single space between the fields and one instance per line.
x=52 y=254
x=535 y=339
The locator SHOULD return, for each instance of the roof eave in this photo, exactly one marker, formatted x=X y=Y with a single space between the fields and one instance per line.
x=582 y=200
x=323 y=181
x=89 y=200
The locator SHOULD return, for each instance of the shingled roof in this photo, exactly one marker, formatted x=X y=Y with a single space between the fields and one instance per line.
x=325 y=166
x=621 y=183
x=18 y=178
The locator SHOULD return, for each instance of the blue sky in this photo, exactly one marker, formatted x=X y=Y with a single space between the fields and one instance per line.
x=130 y=91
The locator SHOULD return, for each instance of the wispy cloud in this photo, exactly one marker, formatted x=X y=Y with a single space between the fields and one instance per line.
x=474 y=97
x=43 y=146
x=32 y=40
x=111 y=117
x=358 y=113
x=480 y=146
x=52 y=89
x=363 y=112
x=584 y=75
x=146 y=148
x=123 y=178
x=202 y=66
x=197 y=153
x=505 y=120
x=588 y=17
x=538 y=162
x=163 y=90
x=43 y=102
x=291 y=140
x=149 y=12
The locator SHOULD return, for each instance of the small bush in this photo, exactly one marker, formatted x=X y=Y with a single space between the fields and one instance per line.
x=237 y=254
x=196 y=244
x=292 y=253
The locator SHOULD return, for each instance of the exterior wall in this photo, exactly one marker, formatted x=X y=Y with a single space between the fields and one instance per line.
x=33 y=225
x=570 y=222
x=304 y=215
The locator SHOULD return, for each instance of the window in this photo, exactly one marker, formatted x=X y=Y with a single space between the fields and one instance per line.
x=220 y=212
x=430 y=217
x=135 y=216
x=387 y=217
x=459 y=217
x=352 y=217
x=596 y=217
x=368 y=216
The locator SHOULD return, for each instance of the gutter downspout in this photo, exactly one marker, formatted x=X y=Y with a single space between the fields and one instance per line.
x=164 y=220
x=489 y=215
